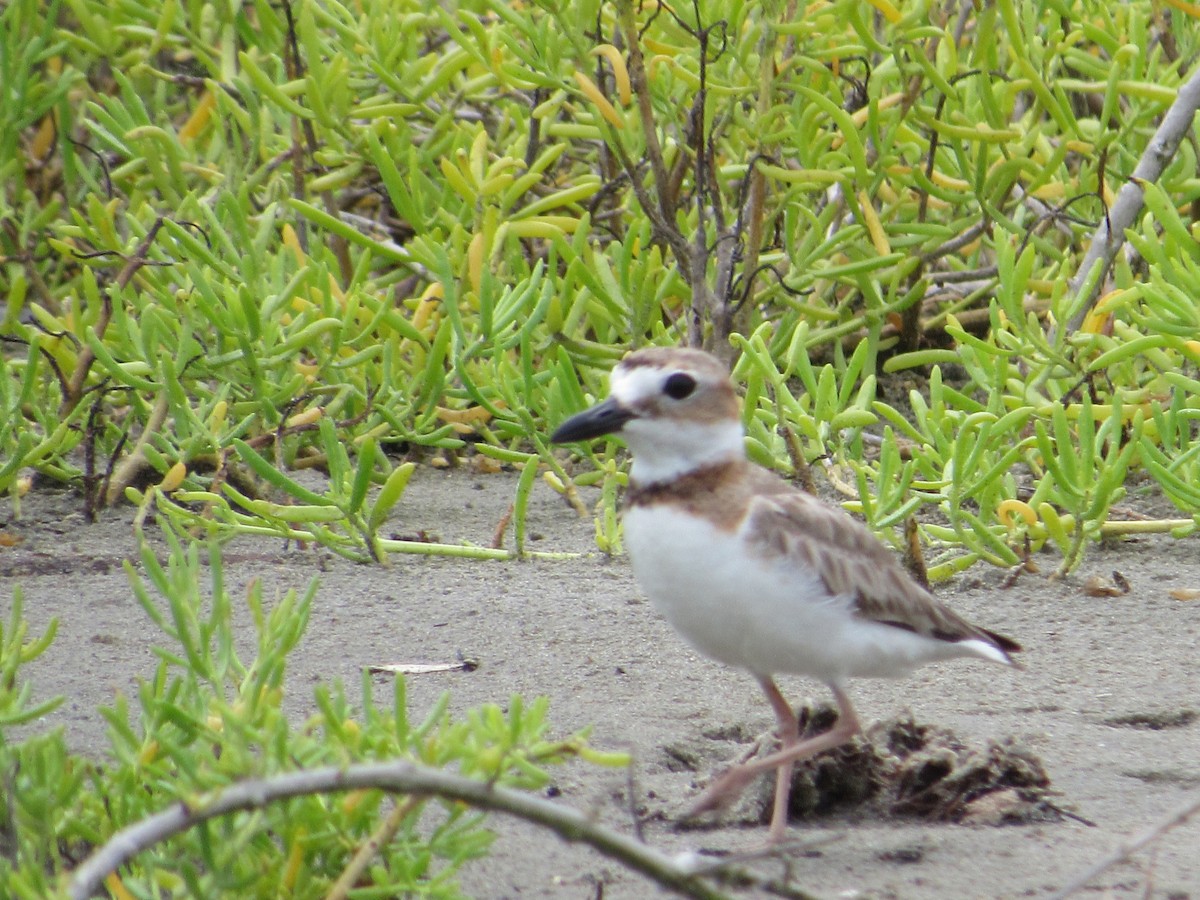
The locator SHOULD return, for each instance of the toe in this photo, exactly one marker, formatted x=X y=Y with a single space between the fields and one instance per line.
x=721 y=793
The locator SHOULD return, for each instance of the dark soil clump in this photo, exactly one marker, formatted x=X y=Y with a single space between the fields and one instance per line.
x=903 y=768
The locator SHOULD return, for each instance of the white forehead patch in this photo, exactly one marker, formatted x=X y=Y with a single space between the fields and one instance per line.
x=630 y=386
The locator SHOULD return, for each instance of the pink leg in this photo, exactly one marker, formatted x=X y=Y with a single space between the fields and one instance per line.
x=729 y=786
x=788 y=729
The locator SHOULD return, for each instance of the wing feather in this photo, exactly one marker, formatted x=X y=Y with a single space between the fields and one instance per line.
x=851 y=562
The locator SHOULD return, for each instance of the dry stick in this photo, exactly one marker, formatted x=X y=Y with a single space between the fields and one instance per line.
x=910 y=317
x=756 y=195
x=33 y=275
x=502 y=527
x=641 y=90
x=663 y=231
x=295 y=70
x=381 y=837
x=131 y=466
x=958 y=242
x=1110 y=234
x=400 y=777
x=691 y=261
x=705 y=300
x=965 y=9
x=90 y=478
x=83 y=364
x=1126 y=849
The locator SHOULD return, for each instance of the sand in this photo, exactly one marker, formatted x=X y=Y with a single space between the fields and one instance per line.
x=1108 y=701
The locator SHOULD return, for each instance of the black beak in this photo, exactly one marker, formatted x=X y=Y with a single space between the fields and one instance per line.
x=603 y=418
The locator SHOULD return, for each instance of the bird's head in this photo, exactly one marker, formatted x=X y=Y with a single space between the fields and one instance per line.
x=674 y=407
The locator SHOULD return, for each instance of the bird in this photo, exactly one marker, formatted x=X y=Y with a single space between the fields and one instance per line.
x=754 y=572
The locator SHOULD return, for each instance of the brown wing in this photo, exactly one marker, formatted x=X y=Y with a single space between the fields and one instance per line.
x=852 y=562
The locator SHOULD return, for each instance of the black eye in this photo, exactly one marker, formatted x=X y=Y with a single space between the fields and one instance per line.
x=679 y=386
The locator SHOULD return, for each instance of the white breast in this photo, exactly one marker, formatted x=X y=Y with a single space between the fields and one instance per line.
x=765 y=615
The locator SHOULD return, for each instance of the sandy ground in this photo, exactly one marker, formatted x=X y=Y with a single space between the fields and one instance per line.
x=1098 y=670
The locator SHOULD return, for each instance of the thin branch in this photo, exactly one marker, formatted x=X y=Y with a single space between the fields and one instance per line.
x=966 y=275
x=368 y=851
x=1126 y=849
x=663 y=231
x=130 y=467
x=294 y=66
x=83 y=364
x=399 y=777
x=641 y=90
x=1110 y=234
x=957 y=243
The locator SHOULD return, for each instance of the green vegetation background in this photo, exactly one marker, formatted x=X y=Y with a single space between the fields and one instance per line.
x=238 y=239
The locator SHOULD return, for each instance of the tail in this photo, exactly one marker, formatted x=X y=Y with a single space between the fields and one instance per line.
x=998 y=647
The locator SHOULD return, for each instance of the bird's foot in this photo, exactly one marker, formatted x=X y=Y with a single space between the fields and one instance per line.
x=722 y=791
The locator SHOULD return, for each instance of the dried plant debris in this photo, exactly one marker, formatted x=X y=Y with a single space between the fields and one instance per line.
x=906 y=769
x=1154 y=720
x=1099 y=586
x=1164 y=776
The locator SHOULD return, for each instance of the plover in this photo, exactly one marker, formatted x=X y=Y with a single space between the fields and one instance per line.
x=752 y=571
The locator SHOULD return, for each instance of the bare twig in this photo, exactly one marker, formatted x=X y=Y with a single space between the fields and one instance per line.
x=712 y=306
x=1126 y=849
x=28 y=258
x=957 y=243
x=970 y=275
x=368 y=851
x=752 y=210
x=127 y=472
x=400 y=777
x=626 y=14
x=1110 y=234
x=294 y=65
x=502 y=526
x=83 y=364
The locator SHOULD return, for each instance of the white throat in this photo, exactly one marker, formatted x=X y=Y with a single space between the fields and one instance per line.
x=666 y=449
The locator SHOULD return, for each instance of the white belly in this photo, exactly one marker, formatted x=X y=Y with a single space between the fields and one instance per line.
x=767 y=616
